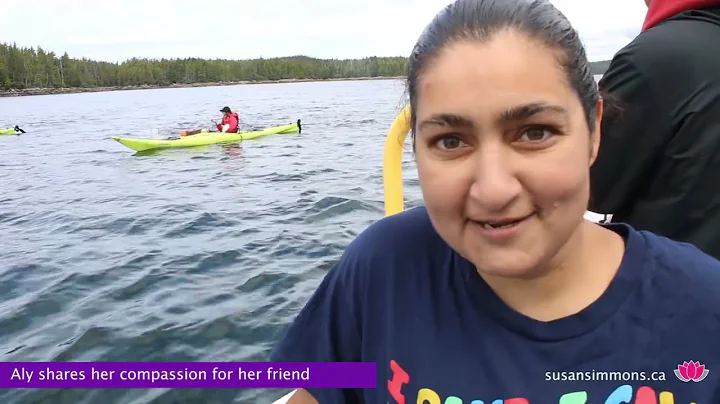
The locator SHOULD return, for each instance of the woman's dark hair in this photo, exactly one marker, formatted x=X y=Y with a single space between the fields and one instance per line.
x=479 y=20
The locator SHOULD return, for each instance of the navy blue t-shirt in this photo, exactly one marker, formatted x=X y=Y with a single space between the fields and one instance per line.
x=401 y=297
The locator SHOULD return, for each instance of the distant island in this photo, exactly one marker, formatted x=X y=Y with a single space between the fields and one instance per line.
x=33 y=71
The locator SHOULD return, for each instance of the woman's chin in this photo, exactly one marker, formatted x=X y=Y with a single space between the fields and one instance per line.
x=508 y=265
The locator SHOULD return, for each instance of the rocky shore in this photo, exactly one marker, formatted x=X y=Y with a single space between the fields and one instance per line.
x=74 y=90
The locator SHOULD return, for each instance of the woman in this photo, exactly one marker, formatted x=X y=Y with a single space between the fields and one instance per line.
x=498 y=291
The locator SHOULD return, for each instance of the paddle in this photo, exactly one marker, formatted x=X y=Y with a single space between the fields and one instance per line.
x=17 y=129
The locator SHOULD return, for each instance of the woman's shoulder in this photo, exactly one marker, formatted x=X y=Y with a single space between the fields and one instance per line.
x=679 y=254
x=406 y=241
x=676 y=290
x=683 y=268
x=403 y=230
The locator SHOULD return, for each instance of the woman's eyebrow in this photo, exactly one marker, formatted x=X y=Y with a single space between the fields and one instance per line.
x=514 y=114
x=527 y=111
x=452 y=120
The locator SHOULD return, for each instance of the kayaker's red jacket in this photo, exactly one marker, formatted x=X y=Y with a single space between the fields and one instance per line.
x=658 y=165
x=229 y=123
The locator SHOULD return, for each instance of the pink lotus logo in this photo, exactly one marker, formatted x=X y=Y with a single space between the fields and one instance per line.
x=691 y=371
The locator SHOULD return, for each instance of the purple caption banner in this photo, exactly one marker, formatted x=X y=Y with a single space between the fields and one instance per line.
x=186 y=375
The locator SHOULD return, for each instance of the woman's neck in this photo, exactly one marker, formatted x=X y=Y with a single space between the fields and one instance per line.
x=577 y=276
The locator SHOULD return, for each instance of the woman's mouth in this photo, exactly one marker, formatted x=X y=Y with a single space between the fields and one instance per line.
x=506 y=225
x=501 y=227
x=502 y=223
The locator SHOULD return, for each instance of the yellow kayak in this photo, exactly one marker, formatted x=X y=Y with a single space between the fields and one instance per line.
x=11 y=131
x=205 y=138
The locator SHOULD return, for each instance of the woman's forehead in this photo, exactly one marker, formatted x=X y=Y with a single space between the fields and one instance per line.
x=504 y=73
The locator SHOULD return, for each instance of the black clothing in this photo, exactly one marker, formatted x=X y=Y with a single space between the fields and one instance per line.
x=658 y=166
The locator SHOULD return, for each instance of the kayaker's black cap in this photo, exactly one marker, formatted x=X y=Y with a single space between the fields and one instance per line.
x=226 y=109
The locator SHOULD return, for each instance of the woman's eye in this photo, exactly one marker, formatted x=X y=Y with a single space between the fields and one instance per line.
x=535 y=135
x=448 y=143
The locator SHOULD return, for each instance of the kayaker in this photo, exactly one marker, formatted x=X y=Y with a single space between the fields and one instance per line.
x=497 y=289
x=658 y=165
x=230 y=121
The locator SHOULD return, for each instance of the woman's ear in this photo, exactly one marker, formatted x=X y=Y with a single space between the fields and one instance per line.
x=596 y=133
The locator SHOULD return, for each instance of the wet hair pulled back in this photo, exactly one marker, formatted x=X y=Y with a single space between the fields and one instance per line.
x=480 y=20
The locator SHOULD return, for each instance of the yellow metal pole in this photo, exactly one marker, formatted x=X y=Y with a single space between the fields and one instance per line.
x=392 y=162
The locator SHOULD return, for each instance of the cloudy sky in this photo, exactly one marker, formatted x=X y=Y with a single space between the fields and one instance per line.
x=115 y=30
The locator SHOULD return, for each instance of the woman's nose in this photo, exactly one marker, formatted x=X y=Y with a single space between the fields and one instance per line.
x=495 y=183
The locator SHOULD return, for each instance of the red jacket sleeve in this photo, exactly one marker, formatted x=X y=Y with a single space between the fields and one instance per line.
x=234 y=122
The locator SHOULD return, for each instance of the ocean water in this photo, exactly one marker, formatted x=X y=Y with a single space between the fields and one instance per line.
x=185 y=255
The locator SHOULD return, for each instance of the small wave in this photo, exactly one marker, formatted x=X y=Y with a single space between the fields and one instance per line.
x=332 y=206
x=206 y=222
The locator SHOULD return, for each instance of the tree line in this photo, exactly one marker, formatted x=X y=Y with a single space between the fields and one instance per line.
x=22 y=68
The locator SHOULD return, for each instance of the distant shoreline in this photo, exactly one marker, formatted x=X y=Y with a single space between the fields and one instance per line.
x=26 y=92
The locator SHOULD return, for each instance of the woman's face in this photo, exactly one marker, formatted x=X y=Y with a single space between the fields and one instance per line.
x=503 y=153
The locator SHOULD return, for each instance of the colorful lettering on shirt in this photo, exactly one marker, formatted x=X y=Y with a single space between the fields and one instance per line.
x=621 y=395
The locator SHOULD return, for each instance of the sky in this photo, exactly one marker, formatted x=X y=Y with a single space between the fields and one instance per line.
x=116 y=30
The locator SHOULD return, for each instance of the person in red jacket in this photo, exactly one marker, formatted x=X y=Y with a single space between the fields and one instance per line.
x=230 y=121
x=657 y=166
